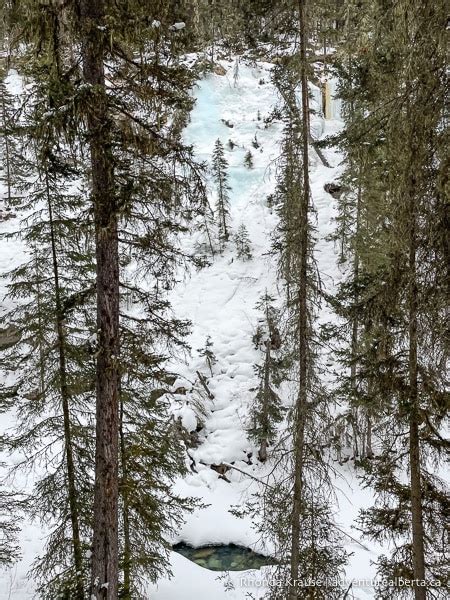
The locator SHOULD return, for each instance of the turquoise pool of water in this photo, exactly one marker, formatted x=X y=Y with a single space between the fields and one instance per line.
x=228 y=557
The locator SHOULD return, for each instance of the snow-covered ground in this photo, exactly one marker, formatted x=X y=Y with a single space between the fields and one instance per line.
x=220 y=301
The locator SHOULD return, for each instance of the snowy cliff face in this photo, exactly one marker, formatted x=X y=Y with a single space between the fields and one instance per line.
x=220 y=301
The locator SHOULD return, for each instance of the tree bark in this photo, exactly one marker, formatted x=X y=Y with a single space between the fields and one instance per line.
x=262 y=453
x=40 y=337
x=355 y=325
x=104 y=570
x=414 y=443
x=7 y=153
x=126 y=588
x=300 y=410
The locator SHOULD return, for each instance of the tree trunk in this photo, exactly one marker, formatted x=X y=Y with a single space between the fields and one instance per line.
x=368 y=451
x=68 y=445
x=7 y=153
x=262 y=454
x=40 y=337
x=414 y=445
x=355 y=326
x=300 y=410
x=222 y=207
x=104 y=574
x=126 y=589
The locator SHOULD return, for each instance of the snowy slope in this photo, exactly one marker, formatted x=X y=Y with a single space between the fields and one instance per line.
x=220 y=301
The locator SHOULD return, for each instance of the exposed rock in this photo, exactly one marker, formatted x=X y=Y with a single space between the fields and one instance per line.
x=157 y=393
x=7 y=214
x=275 y=339
x=249 y=458
x=9 y=336
x=221 y=469
x=219 y=70
x=194 y=440
x=334 y=189
x=181 y=390
x=227 y=123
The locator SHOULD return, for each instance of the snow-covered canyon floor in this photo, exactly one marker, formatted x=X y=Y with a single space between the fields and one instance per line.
x=220 y=301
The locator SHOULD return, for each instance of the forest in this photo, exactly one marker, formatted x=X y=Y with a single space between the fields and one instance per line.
x=224 y=277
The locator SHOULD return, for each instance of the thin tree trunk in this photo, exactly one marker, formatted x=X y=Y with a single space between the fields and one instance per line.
x=222 y=208
x=355 y=325
x=41 y=337
x=368 y=448
x=414 y=444
x=126 y=590
x=68 y=444
x=300 y=411
x=7 y=153
x=104 y=574
x=262 y=454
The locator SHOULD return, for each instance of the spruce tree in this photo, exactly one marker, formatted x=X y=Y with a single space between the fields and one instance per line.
x=219 y=171
x=94 y=48
x=208 y=354
x=361 y=240
x=248 y=160
x=9 y=528
x=266 y=411
x=397 y=291
x=159 y=190
x=145 y=181
x=242 y=242
x=300 y=488
x=51 y=390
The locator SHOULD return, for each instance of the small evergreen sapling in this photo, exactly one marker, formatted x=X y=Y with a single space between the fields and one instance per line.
x=248 y=160
x=242 y=241
x=208 y=354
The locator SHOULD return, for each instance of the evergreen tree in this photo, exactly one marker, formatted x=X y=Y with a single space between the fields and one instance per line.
x=151 y=456
x=361 y=238
x=9 y=549
x=266 y=411
x=242 y=241
x=219 y=170
x=159 y=191
x=248 y=160
x=300 y=487
x=208 y=354
x=52 y=389
x=396 y=291
x=143 y=180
